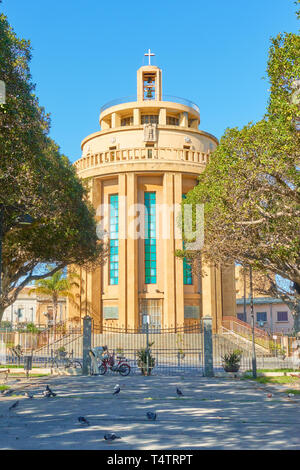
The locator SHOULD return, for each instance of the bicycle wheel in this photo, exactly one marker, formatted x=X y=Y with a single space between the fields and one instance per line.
x=124 y=369
x=102 y=369
x=53 y=364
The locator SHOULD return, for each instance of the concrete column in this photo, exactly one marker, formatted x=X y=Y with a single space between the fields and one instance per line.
x=158 y=85
x=217 y=321
x=208 y=291
x=208 y=347
x=162 y=116
x=183 y=121
x=136 y=117
x=122 y=251
x=179 y=290
x=169 y=258
x=228 y=290
x=115 y=120
x=97 y=273
x=132 y=254
x=212 y=295
x=86 y=345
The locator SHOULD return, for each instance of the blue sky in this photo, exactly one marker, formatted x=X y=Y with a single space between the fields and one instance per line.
x=86 y=52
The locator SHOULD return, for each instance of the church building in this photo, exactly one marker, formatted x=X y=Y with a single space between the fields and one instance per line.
x=146 y=156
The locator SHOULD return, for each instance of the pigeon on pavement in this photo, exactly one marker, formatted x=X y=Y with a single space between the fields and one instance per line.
x=28 y=395
x=110 y=437
x=83 y=420
x=179 y=392
x=151 y=416
x=290 y=395
x=7 y=392
x=117 y=390
x=14 y=405
x=48 y=389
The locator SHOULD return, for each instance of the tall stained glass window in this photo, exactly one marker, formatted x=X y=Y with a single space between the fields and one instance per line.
x=187 y=268
x=150 y=238
x=114 y=239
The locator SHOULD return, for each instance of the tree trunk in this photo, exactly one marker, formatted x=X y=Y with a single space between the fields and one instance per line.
x=1 y=313
x=296 y=315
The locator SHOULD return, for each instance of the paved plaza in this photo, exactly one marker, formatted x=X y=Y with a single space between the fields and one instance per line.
x=214 y=413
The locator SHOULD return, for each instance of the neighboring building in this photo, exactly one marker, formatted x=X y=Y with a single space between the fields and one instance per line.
x=270 y=314
x=33 y=309
x=150 y=152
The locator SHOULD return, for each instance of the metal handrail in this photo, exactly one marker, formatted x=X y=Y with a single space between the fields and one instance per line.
x=130 y=99
x=245 y=339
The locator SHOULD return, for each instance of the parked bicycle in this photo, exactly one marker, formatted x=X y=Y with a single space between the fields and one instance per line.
x=108 y=362
x=61 y=359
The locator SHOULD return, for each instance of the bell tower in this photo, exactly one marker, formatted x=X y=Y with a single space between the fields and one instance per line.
x=149 y=78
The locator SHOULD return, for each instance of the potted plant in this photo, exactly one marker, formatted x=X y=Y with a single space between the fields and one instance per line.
x=145 y=361
x=62 y=352
x=231 y=361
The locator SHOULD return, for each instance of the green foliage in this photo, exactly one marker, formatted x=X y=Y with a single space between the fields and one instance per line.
x=251 y=187
x=31 y=328
x=55 y=286
x=5 y=325
x=275 y=380
x=35 y=178
x=273 y=370
x=145 y=361
x=231 y=361
x=277 y=349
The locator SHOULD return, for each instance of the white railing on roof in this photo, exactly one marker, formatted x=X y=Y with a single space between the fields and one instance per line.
x=130 y=99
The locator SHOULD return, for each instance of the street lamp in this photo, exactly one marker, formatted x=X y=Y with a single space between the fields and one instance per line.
x=31 y=308
x=254 y=373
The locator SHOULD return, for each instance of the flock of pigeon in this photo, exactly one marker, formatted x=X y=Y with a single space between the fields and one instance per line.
x=109 y=437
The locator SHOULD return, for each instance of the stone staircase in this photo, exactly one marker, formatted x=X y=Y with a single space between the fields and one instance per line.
x=235 y=341
x=70 y=340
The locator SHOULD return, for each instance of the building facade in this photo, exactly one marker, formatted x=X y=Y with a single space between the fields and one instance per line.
x=33 y=309
x=146 y=157
x=270 y=314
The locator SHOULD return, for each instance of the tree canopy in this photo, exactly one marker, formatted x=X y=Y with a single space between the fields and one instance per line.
x=36 y=179
x=250 y=188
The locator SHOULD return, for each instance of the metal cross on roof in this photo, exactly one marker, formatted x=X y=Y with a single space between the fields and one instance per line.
x=149 y=55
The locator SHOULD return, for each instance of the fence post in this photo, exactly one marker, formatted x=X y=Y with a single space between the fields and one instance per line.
x=208 y=347
x=86 y=345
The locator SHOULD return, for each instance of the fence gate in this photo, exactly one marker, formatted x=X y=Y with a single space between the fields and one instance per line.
x=173 y=351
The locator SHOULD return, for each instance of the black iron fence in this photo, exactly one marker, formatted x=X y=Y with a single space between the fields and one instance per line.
x=170 y=351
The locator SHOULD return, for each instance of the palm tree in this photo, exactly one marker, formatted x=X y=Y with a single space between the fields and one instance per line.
x=56 y=286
